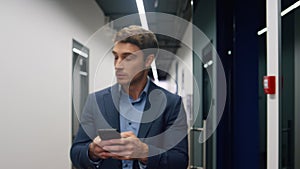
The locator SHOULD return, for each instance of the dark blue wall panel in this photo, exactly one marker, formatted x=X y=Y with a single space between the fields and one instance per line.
x=245 y=95
x=238 y=132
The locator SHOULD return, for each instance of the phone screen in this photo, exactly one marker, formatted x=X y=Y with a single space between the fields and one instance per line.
x=108 y=134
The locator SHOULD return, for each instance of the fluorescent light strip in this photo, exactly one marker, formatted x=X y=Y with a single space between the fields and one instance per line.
x=79 y=52
x=154 y=71
x=210 y=62
x=143 y=18
x=142 y=13
x=289 y=9
x=262 y=31
x=83 y=73
x=284 y=12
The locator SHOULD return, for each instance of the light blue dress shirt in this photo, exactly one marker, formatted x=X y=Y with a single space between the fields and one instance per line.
x=131 y=112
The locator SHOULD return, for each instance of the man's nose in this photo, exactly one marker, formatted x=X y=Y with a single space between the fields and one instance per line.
x=119 y=64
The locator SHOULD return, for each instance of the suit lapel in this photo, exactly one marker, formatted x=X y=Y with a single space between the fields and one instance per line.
x=112 y=115
x=111 y=104
x=145 y=127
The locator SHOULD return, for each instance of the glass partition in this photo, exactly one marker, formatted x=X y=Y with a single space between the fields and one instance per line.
x=289 y=82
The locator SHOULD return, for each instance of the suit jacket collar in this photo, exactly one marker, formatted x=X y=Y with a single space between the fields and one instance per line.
x=111 y=104
x=145 y=127
x=112 y=109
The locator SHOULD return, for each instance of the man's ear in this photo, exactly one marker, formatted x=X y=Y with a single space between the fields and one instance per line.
x=149 y=60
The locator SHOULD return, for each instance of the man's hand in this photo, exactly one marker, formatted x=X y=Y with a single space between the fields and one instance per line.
x=129 y=147
x=96 y=151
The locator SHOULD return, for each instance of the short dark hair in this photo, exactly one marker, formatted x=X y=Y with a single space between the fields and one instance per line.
x=137 y=35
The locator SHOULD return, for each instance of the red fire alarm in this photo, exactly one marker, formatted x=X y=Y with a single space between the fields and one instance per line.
x=269 y=84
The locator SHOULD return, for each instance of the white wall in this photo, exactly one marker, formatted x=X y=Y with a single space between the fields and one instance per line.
x=101 y=60
x=35 y=89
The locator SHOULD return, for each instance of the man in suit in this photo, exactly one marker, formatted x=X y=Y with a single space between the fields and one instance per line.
x=151 y=121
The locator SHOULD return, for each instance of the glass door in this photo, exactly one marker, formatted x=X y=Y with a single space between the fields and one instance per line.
x=289 y=63
x=283 y=61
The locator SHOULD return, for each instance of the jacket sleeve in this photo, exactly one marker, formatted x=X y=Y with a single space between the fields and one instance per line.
x=79 y=151
x=86 y=132
x=174 y=152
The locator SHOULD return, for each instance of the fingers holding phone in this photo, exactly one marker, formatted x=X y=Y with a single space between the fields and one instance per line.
x=112 y=144
x=96 y=151
x=127 y=148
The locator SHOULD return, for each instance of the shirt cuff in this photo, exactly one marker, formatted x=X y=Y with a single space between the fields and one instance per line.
x=142 y=166
x=91 y=161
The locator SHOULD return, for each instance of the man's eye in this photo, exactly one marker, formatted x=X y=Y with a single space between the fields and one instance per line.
x=129 y=57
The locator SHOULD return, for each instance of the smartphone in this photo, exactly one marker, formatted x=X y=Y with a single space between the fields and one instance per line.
x=108 y=134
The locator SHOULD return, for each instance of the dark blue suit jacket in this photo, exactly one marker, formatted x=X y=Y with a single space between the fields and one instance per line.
x=163 y=129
